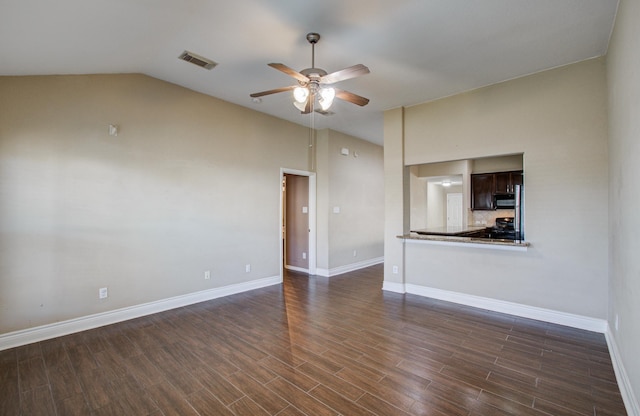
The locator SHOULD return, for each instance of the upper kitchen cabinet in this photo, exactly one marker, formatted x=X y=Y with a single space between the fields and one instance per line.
x=482 y=190
x=485 y=186
x=505 y=182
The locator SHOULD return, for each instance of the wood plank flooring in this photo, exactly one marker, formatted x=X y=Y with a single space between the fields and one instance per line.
x=315 y=346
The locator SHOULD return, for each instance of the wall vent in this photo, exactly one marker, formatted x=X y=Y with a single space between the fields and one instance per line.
x=197 y=60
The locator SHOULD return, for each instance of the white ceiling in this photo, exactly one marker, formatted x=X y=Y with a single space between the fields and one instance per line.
x=417 y=50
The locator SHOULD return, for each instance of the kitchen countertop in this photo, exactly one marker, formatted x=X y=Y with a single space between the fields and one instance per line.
x=457 y=238
x=448 y=231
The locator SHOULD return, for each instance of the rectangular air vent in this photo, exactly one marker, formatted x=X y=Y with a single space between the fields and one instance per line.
x=197 y=60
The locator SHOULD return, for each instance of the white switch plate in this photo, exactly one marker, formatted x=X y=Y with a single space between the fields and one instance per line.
x=305 y=210
x=336 y=210
x=103 y=293
x=355 y=253
x=344 y=151
x=304 y=256
x=207 y=275
x=247 y=268
x=395 y=269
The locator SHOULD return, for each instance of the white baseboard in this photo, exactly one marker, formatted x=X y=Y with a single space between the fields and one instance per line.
x=349 y=267
x=296 y=269
x=393 y=287
x=624 y=384
x=511 y=308
x=40 y=333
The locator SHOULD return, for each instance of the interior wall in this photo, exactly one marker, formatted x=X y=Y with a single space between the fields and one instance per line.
x=436 y=205
x=558 y=120
x=623 y=61
x=354 y=186
x=189 y=184
x=418 y=197
x=322 y=199
x=396 y=199
x=297 y=221
x=497 y=164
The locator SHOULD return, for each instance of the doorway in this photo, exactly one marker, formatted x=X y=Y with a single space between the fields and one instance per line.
x=297 y=221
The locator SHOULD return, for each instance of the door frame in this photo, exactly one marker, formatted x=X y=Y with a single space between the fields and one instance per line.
x=312 y=217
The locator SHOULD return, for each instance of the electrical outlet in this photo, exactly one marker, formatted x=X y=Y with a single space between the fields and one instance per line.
x=247 y=268
x=103 y=293
x=207 y=275
x=394 y=269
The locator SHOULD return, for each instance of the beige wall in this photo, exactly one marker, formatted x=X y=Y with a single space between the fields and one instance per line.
x=623 y=62
x=396 y=199
x=497 y=164
x=190 y=184
x=354 y=184
x=557 y=119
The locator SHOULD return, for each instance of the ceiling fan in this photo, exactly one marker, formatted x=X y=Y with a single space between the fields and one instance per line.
x=316 y=83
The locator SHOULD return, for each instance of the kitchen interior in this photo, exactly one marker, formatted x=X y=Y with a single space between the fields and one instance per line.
x=471 y=199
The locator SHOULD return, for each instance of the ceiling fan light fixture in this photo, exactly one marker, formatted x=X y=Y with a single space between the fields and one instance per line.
x=300 y=105
x=326 y=98
x=300 y=94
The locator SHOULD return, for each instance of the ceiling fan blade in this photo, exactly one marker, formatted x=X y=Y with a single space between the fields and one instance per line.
x=275 y=91
x=291 y=72
x=351 y=97
x=343 y=74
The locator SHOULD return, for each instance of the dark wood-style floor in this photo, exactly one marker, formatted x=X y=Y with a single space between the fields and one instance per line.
x=315 y=346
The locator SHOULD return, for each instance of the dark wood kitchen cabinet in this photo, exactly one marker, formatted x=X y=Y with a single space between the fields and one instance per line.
x=485 y=185
x=482 y=188
x=506 y=181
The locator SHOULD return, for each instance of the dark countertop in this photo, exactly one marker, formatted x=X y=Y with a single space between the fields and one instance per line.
x=451 y=238
x=450 y=231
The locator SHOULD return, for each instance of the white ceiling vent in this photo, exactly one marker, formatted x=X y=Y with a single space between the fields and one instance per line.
x=197 y=60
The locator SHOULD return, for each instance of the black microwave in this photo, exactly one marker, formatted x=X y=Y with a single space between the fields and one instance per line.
x=504 y=201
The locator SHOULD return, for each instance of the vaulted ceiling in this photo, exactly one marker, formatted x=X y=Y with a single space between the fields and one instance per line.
x=417 y=50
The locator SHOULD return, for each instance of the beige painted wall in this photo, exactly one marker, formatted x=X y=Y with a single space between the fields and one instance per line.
x=497 y=164
x=190 y=184
x=354 y=184
x=396 y=199
x=623 y=62
x=558 y=120
x=418 y=194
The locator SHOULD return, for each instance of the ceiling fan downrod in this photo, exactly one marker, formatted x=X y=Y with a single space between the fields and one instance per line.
x=313 y=38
